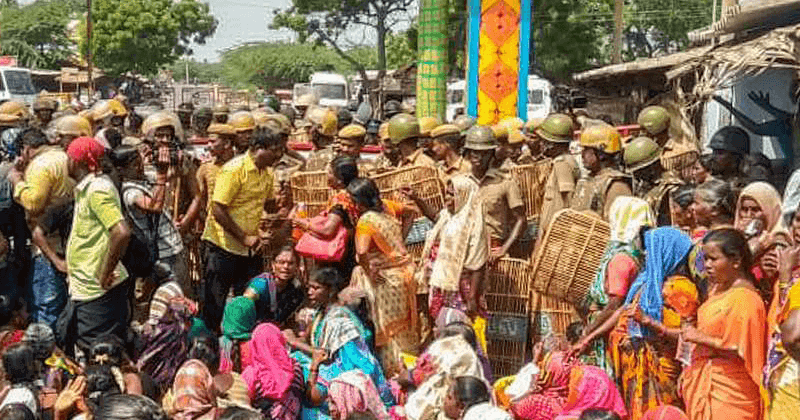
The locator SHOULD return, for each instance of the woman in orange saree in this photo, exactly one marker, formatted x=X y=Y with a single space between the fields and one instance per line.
x=722 y=381
x=385 y=274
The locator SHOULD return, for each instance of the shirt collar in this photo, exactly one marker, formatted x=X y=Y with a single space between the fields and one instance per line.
x=492 y=173
x=249 y=164
x=85 y=182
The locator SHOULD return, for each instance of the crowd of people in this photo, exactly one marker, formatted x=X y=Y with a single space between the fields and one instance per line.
x=142 y=279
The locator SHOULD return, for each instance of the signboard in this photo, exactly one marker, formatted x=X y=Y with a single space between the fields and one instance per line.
x=73 y=75
x=8 y=60
x=508 y=328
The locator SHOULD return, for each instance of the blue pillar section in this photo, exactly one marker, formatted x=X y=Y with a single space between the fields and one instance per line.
x=473 y=44
x=524 y=57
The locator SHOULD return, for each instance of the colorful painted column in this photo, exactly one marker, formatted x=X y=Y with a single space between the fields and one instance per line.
x=432 y=66
x=498 y=43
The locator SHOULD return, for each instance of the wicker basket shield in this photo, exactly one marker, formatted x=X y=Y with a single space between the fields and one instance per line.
x=312 y=189
x=508 y=298
x=531 y=179
x=424 y=180
x=566 y=263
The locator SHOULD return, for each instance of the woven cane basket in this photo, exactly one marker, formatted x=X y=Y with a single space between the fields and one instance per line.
x=508 y=298
x=566 y=262
x=531 y=179
x=550 y=316
x=312 y=189
x=424 y=180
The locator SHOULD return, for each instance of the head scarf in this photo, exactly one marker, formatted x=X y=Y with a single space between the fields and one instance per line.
x=767 y=197
x=238 y=322
x=463 y=243
x=666 y=248
x=665 y=412
x=354 y=392
x=194 y=393
x=590 y=387
x=86 y=150
x=165 y=294
x=443 y=361
x=165 y=344
x=449 y=316
x=627 y=217
x=272 y=370
x=554 y=376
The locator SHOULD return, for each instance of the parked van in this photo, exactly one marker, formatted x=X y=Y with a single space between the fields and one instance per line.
x=16 y=84
x=539 y=101
x=331 y=89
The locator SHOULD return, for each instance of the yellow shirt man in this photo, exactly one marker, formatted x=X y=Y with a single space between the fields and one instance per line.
x=243 y=189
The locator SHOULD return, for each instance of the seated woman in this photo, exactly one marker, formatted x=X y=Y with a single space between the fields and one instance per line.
x=194 y=393
x=452 y=354
x=82 y=396
x=277 y=294
x=274 y=380
x=341 y=211
x=129 y=407
x=337 y=338
x=455 y=251
x=20 y=372
x=591 y=388
x=385 y=274
x=469 y=399
x=13 y=321
x=722 y=381
x=165 y=338
x=351 y=394
x=238 y=322
x=548 y=394
x=109 y=351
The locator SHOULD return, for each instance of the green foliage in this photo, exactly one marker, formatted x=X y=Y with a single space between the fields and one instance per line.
x=400 y=51
x=281 y=65
x=565 y=38
x=326 y=20
x=660 y=27
x=142 y=35
x=37 y=33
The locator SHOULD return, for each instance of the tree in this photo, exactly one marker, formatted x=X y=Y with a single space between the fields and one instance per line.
x=281 y=65
x=143 y=35
x=37 y=33
x=566 y=36
x=324 y=21
x=657 y=27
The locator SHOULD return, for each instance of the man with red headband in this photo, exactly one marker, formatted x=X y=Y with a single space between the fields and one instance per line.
x=97 y=280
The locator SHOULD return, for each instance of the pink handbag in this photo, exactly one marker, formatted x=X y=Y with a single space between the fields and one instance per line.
x=326 y=250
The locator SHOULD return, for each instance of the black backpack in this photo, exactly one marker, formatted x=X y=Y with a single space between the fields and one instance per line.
x=142 y=252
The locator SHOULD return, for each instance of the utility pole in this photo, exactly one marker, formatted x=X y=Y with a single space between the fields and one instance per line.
x=618 y=31
x=89 y=47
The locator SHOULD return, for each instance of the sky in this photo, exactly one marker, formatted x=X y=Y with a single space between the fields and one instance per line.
x=241 y=21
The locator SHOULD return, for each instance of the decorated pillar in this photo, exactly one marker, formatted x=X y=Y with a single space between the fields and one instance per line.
x=498 y=43
x=432 y=67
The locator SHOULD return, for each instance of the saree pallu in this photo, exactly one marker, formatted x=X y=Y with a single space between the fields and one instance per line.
x=646 y=377
x=646 y=370
x=392 y=304
x=392 y=293
x=725 y=385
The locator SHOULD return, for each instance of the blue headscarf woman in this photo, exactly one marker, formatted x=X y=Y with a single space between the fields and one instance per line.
x=660 y=300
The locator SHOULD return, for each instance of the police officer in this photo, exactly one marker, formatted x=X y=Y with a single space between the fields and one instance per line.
x=43 y=110
x=244 y=124
x=220 y=114
x=555 y=133
x=729 y=146
x=601 y=146
x=655 y=120
x=321 y=133
x=404 y=134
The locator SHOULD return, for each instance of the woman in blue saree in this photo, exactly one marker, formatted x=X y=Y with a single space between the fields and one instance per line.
x=337 y=344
